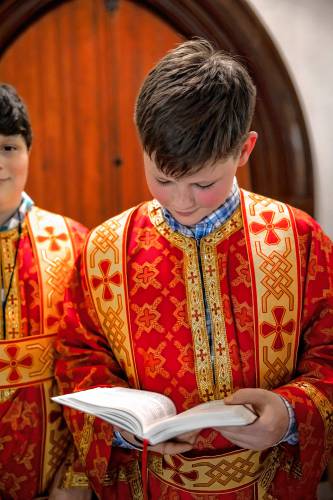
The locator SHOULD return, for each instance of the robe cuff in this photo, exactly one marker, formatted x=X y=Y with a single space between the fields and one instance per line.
x=119 y=440
x=291 y=436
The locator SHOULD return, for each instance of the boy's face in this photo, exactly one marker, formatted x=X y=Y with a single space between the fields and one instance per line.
x=191 y=198
x=14 y=161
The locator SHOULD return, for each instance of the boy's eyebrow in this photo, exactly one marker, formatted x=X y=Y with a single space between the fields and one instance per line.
x=163 y=178
x=200 y=181
x=204 y=181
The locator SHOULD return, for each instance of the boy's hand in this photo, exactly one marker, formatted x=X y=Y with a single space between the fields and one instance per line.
x=70 y=494
x=180 y=444
x=268 y=429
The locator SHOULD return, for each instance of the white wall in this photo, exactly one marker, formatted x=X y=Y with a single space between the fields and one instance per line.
x=303 y=31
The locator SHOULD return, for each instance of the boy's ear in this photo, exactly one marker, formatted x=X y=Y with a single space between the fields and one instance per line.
x=247 y=148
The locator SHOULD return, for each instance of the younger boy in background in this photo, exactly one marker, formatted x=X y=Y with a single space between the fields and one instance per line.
x=38 y=250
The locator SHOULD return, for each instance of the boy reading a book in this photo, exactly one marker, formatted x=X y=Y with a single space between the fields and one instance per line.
x=206 y=292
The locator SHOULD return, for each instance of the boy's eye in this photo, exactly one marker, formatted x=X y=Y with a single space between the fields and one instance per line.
x=161 y=181
x=205 y=186
x=8 y=148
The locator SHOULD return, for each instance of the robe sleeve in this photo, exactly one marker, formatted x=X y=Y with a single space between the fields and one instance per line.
x=85 y=360
x=311 y=391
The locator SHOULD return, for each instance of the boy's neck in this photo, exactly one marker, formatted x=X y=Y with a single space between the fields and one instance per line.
x=8 y=214
x=5 y=216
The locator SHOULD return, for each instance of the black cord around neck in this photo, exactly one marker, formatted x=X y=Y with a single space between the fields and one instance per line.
x=5 y=300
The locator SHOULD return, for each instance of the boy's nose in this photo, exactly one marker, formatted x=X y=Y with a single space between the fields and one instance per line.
x=184 y=199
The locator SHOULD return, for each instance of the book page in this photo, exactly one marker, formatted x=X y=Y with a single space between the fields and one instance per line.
x=210 y=414
x=229 y=411
x=130 y=409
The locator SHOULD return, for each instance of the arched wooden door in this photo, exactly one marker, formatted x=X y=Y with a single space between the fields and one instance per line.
x=79 y=64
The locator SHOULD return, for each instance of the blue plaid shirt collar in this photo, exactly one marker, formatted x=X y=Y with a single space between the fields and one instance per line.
x=209 y=223
x=19 y=214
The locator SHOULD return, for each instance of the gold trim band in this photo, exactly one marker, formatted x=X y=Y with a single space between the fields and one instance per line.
x=208 y=474
x=26 y=361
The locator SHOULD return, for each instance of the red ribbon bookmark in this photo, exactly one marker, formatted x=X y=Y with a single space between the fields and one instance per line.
x=144 y=469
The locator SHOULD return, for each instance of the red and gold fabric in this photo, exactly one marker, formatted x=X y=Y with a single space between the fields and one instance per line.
x=34 y=437
x=139 y=320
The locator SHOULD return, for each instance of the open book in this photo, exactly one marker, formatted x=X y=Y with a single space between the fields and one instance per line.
x=153 y=416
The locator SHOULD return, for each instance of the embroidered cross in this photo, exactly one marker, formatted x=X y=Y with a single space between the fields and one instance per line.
x=202 y=355
x=146 y=238
x=210 y=270
x=268 y=329
x=12 y=300
x=52 y=238
x=14 y=363
x=146 y=274
x=147 y=317
x=106 y=279
x=192 y=277
x=9 y=268
x=166 y=231
x=177 y=475
x=196 y=315
x=155 y=211
x=13 y=333
x=224 y=390
x=215 y=308
x=271 y=237
x=220 y=349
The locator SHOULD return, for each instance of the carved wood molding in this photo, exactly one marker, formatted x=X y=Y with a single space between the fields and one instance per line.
x=281 y=166
x=16 y=15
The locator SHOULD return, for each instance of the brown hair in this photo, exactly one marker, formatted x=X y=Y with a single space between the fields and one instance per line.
x=14 y=118
x=195 y=107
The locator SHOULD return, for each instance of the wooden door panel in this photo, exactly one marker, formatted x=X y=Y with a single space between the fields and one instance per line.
x=79 y=68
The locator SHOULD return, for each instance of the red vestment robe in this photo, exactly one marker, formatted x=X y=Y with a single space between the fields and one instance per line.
x=138 y=319
x=34 y=439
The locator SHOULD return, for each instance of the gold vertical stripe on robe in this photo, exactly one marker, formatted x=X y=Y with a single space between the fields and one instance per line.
x=274 y=260
x=55 y=260
x=106 y=251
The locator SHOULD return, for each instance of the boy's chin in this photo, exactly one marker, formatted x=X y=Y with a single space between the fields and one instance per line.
x=187 y=219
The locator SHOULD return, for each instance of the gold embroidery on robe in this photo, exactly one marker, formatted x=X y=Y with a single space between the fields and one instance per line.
x=53 y=246
x=273 y=251
x=107 y=281
x=222 y=365
x=203 y=367
x=8 y=242
x=26 y=361
x=325 y=408
x=216 y=474
x=55 y=260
